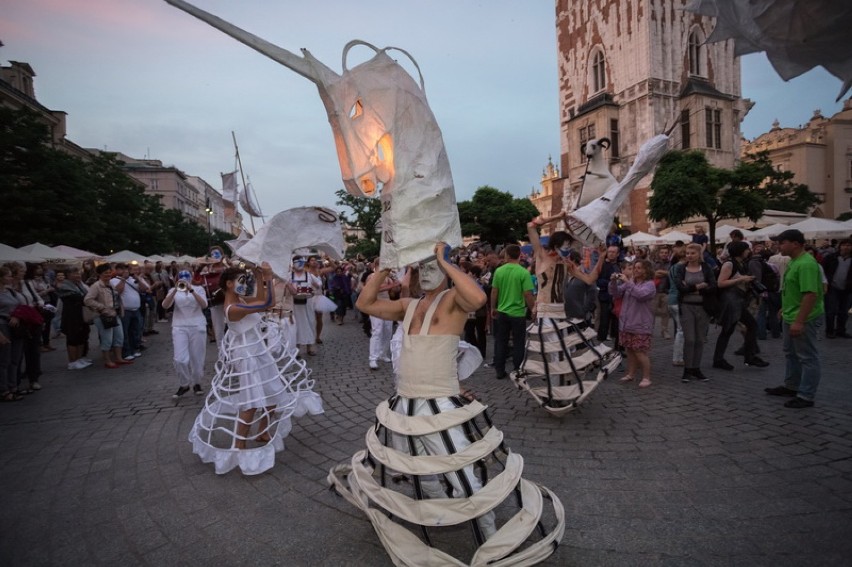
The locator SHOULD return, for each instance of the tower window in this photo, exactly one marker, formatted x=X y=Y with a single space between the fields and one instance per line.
x=685 y=130
x=694 y=54
x=713 y=126
x=587 y=134
x=598 y=72
x=613 y=137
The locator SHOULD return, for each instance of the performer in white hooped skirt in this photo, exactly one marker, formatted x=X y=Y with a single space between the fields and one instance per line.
x=458 y=471
x=254 y=394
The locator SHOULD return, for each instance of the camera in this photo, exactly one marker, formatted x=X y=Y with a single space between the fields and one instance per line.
x=182 y=285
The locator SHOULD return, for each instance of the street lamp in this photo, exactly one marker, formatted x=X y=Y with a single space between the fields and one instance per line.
x=209 y=210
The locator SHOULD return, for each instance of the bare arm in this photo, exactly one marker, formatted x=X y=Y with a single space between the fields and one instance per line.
x=369 y=303
x=468 y=295
x=592 y=277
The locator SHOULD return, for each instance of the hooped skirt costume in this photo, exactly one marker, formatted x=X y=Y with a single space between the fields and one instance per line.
x=255 y=370
x=456 y=471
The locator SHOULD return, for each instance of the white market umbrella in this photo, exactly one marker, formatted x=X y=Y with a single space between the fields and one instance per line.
x=10 y=254
x=767 y=231
x=676 y=235
x=723 y=232
x=125 y=256
x=815 y=227
x=186 y=259
x=50 y=255
x=76 y=252
x=642 y=239
x=155 y=258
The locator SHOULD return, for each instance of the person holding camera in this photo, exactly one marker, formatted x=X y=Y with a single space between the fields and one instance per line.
x=189 y=332
x=736 y=285
x=103 y=299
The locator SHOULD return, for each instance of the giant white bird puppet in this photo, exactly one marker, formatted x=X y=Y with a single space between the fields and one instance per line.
x=301 y=227
x=797 y=35
x=387 y=139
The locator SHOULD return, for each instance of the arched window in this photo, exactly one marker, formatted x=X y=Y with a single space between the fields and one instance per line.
x=598 y=71
x=695 y=54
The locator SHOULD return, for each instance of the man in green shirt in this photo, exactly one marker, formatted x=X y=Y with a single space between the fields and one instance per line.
x=511 y=296
x=801 y=308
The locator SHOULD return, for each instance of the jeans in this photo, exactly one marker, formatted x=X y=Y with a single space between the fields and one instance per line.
x=837 y=305
x=504 y=326
x=109 y=338
x=767 y=315
x=693 y=321
x=131 y=323
x=803 y=367
x=677 y=351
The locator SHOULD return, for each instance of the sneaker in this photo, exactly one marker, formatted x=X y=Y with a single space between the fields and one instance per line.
x=687 y=376
x=35 y=386
x=722 y=364
x=799 y=403
x=696 y=372
x=757 y=361
x=780 y=391
x=180 y=391
x=87 y=360
x=137 y=354
x=129 y=357
x=77 y=365
x=197 y=390
x=374 y=365
x=385 y=359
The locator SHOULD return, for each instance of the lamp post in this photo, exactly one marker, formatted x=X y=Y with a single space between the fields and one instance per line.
x=209 y=210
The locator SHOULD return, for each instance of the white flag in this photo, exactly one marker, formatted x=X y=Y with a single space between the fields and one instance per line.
x=229 y=187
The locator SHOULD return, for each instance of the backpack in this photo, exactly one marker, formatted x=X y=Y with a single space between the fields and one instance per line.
x=770 y=277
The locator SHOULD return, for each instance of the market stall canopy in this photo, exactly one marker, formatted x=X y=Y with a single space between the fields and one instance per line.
x=186 y=259
x=155 y=258
x=767 y=232
x=76 y=252
x=125 y=256
x=643 y=239
x=676 y=235
x=723 y=232
x=50 y=255
x=10 y=254
x=821 y=228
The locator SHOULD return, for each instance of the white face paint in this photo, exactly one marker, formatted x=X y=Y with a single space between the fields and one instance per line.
x=431 y=275
x=241 y=286
x=564 y=250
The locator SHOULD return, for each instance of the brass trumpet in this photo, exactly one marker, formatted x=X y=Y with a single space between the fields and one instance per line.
x=182 y=285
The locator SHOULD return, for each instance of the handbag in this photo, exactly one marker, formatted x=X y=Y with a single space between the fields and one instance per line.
x=89 y=315
x=109 y=321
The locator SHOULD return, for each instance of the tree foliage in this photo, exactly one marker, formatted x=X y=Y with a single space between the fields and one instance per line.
x=56 y=198
x=686 y=185
x=364 y=214
x=496 y=216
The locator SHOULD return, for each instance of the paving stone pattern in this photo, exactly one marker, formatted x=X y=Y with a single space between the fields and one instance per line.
x=96 y=468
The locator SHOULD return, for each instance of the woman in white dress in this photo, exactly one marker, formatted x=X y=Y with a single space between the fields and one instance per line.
x=254 y=394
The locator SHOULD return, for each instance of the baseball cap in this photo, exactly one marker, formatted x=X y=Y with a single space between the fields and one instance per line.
x=791 y=235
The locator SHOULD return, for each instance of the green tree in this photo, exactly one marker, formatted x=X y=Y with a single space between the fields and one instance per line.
x=496 y=216
x=56 y=198
x=365 y=213
x=685 y=185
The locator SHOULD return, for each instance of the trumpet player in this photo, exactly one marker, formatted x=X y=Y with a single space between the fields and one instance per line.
x=189 y=332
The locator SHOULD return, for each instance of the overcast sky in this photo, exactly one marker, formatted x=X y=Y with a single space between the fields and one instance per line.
x=146 y=79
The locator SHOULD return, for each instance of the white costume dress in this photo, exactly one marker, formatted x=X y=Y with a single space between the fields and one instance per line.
x=429 y=433
x=248 y=376
x=306 y=322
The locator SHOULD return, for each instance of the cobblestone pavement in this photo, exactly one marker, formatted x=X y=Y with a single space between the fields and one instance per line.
x=96 y=468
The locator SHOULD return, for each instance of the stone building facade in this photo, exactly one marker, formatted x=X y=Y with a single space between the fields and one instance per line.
x=819 y=154
x=630 y=69
x=543 y=199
